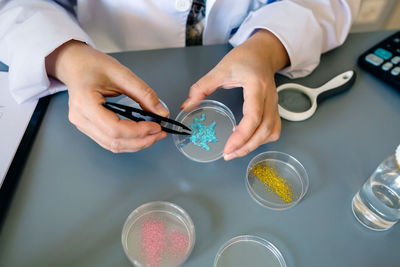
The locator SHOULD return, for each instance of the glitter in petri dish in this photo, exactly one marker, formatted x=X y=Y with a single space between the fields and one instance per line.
x=153 y=241
x=178 y=243
x=273 y=181
x=160 y=244
x=202 y=134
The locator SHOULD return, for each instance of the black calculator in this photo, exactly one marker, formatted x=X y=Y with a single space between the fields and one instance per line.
x=383 y=60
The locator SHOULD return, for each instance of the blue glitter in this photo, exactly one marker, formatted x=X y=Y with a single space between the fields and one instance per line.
x=201 y=134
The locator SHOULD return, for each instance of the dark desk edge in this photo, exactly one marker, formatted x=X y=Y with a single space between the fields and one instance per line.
x=11 y=180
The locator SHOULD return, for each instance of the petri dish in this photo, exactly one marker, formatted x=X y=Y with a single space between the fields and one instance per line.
x=212 y=114
x=158 y=234
x=132 y=103
x=276 y=180
x=249 y=250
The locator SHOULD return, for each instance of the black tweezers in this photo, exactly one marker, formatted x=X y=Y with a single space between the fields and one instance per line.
x=128 y=111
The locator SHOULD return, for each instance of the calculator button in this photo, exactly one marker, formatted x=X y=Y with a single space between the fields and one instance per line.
x=374 y=60
x=380 y=52
x=395 y=71
x=387 y=66
x=395 y=60
x=396 y=40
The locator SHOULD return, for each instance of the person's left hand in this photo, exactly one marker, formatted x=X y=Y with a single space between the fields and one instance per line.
x=251 y=66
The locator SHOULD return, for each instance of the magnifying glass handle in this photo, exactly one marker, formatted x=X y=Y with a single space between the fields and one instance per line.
x=336 y=85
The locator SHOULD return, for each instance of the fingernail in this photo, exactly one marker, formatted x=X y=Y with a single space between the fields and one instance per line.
x=162 y=136
x=154 y=131
x=161 y=110
x=234 y=128
x=185 y=104
x=229 y=156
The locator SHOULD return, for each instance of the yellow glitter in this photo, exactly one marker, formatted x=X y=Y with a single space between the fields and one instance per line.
x=273 y=181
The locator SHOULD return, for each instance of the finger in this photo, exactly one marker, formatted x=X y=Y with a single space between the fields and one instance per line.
x=268 y=131
x=134 y=145
x=141 y=92
x=253 y=109
x=203 y=87
x=119 y=145
x=85 y=126
x=111 y=125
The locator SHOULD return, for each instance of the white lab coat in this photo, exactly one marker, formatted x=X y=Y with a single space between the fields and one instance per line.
x=31 y=29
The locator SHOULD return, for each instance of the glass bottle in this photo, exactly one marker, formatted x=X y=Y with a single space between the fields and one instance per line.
x=377 y=204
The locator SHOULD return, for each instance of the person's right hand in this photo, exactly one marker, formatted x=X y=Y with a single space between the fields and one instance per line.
x=90 y=77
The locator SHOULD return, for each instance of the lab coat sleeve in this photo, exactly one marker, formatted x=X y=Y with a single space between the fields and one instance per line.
x=29 y=31
x=306 y=28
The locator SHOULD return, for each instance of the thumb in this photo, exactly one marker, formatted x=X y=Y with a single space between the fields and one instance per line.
x=203 y=88
x=141 y=92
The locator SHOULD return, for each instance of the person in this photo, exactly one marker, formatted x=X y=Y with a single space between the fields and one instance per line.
x=42 y=38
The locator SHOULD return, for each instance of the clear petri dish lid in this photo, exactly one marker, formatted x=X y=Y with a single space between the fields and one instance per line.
x=276 y=180
x=212 y=124
x=249 y=250
x=158 y=234
x=132 y=103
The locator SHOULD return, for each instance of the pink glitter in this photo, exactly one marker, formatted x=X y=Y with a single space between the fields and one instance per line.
x=156 y=241
x=153 y=241
x=178 y=243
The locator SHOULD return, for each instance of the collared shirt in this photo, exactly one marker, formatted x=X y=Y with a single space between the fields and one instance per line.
x=31 y=29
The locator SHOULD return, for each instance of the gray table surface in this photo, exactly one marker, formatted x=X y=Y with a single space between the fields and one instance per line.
x=73 y=196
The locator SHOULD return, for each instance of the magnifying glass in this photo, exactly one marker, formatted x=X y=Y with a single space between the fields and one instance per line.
x=298 y=102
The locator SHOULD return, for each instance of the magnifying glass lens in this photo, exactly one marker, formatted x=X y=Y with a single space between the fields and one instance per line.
x=294 y=100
